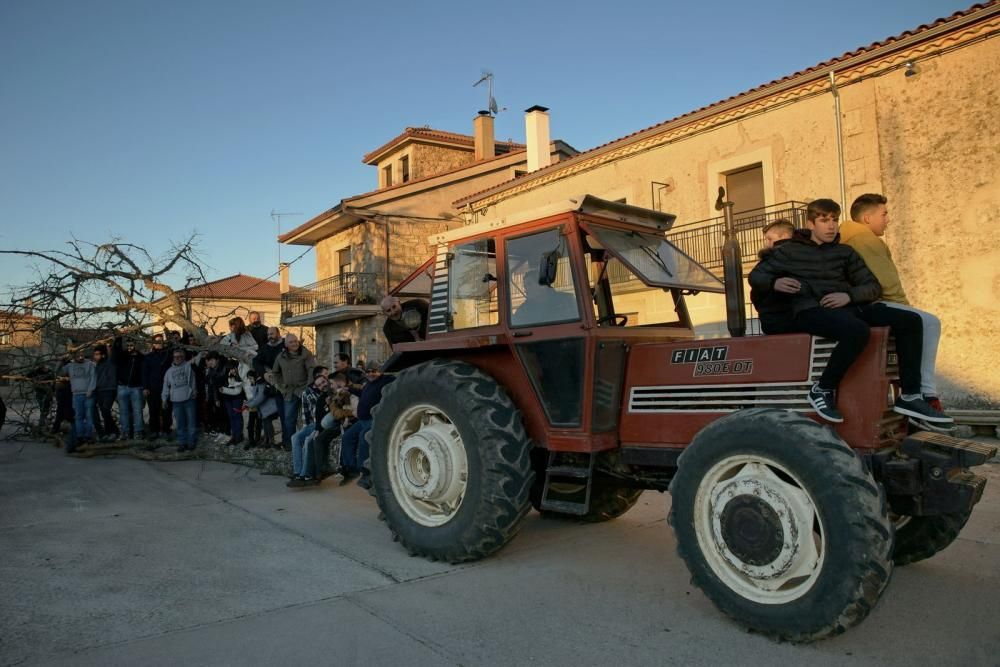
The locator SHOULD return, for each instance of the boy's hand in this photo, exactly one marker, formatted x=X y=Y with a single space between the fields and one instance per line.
x=835 y=300
x=787 y=285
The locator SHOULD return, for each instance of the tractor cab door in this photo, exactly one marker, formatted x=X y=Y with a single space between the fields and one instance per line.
x=545 y=320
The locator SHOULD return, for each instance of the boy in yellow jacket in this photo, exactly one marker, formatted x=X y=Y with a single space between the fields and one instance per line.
x=864 y=232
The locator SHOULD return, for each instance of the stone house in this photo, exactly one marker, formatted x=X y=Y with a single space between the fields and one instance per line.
x=214 y=303
x=914 y=117
x=367 y=244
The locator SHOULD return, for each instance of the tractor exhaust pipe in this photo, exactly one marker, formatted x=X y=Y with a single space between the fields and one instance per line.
x=732 y=271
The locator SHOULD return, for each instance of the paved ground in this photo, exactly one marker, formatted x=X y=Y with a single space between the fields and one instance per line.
x=125 y=562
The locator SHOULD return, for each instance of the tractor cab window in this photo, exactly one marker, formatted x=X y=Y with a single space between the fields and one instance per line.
x=540 y=280
x=637 y=279
x=654 y=259
x=472 y=286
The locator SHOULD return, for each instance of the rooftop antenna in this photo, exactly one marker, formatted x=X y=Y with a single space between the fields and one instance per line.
x=276 y=216
x=491 y=103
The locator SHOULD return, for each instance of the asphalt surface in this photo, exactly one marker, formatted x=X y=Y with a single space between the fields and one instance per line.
x=115 y=561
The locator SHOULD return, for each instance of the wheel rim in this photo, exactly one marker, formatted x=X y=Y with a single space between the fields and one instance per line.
x=428 y=467
x=759 y=529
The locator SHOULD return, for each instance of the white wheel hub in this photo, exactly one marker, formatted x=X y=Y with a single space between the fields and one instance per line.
x=428 y=467
x=759 y=529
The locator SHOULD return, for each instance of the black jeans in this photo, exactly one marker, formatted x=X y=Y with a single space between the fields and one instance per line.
x=160 y=414
x=105 y=421
x=849 y=327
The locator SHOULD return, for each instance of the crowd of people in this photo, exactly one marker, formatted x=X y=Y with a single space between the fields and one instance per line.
x=835 y=280
x=253 y=388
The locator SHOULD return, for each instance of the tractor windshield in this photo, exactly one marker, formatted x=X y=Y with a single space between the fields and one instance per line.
x=654 y=260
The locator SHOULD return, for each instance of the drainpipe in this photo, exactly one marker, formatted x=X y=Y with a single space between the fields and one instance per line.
x=840 y=141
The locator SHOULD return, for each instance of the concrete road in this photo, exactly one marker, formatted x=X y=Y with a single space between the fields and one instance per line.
x=125 y=562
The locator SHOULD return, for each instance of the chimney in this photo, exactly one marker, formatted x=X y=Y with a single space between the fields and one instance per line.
x=283 y=277
x=29 y=306
x=482 y=130
x=536 y=130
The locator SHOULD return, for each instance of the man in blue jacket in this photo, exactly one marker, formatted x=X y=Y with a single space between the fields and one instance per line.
x=354 y=443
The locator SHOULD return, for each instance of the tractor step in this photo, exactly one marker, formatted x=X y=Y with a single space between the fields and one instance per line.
x=564 y=507
x=568 y=471
x=576 y=499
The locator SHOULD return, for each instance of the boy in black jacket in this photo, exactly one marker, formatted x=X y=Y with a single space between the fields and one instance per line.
x=833 y=295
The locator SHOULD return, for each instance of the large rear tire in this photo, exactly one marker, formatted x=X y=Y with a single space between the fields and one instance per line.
x=781 y=525
x=920 y=537
x=450 y=462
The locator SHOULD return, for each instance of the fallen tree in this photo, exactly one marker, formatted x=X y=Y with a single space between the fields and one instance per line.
x=87 y=295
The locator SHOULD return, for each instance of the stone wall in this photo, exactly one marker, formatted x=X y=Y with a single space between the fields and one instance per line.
x=939 y=152
x=429 y=160
x=367 y=341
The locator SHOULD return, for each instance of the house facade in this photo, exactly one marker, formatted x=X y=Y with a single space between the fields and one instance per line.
x=913 y=117
x=214 y=303
x=367 y=244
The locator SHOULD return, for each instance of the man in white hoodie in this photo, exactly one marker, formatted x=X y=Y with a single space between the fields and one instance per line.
x=82 y=375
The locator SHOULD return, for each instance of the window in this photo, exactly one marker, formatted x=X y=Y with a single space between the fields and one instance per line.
x=745 y=188
x=531 y=301
x=404 y=169
x=344 y=347
x=5 y=338
x=344 y=260
x=387 y=175
x=472 y=286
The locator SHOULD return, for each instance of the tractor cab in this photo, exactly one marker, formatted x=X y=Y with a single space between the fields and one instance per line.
x=551 y=301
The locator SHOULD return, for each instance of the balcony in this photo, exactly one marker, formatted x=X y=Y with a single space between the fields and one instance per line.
x=702 y=240
x=348 y=296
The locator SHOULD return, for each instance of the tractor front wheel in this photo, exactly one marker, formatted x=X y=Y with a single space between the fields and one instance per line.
x=781 y=525
x=450 y=462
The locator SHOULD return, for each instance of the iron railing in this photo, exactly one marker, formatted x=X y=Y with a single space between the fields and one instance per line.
x=702 y=240
x=346 y=289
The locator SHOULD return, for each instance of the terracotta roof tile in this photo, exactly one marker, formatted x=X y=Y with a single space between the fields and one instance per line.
x=435 y=135
x=236 y=287
x=820 y=66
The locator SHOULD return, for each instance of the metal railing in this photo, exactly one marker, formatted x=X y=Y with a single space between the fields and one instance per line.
x=702 y=240
x=346 y=289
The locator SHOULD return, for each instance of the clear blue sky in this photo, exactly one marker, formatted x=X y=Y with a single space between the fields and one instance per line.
x=150 y=120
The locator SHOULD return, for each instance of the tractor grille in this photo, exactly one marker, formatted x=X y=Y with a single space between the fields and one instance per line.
x=732 y=397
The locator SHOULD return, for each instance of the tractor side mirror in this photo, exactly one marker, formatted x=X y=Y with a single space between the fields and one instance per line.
x=547 y=267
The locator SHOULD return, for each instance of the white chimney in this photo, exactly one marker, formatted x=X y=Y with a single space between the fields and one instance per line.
x=482 y=127
x=536 y=130
x=283 y=277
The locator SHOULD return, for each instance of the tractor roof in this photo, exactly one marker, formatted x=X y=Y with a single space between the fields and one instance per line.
x=585 y=204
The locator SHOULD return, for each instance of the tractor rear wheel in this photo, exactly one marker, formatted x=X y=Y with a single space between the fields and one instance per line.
x=450 y=462
x=781 y=525
x=920 y=537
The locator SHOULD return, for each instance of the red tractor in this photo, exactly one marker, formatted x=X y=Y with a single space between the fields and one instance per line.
x=561 y=371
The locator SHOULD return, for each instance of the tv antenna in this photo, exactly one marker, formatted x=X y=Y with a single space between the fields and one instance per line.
x=276 y=216
x=491 y=102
